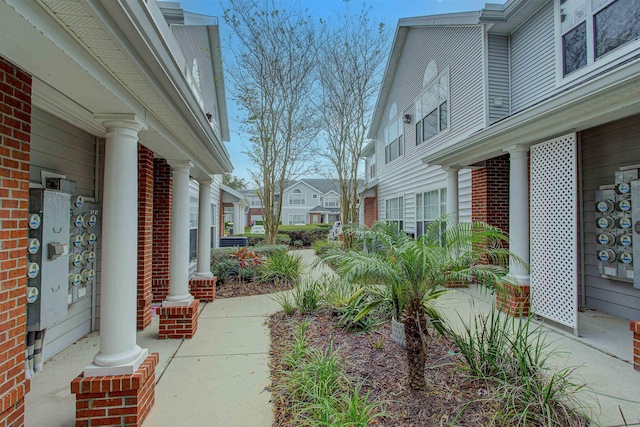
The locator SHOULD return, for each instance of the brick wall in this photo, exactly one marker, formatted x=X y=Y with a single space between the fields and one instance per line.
x=161 y=229
x=251 y=212
x=371 y=209
x=15 y=130
x=145 y=236
x=490 y=193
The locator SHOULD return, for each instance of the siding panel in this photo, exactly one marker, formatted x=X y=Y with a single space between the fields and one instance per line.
x=533 y=60
x=604 y=150
x=60 y=147
x=498 y=76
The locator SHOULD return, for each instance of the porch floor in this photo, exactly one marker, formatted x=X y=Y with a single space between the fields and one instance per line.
x=220 y=377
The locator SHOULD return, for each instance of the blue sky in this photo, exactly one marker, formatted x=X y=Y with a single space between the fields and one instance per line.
x=386 y=11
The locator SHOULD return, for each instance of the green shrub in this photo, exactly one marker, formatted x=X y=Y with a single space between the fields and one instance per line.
x=321 y=247
x=281 y=268
x=352 y=309
x=305 y=234
x=224 y=268
x=268 y=250
x=260 y=239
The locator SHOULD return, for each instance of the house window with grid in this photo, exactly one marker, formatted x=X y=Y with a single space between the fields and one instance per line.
x=394 y=211
x=429 y=207
x=297 y=198
x=432 y=107
x=331 y=202
x=296 y=219
x=193 y=226
x=214 y=224
x=592 y=28
x=371 y=161
x=393 y=136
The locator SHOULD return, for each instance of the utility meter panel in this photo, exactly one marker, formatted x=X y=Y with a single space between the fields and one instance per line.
x=84 y=231
x=47 y=258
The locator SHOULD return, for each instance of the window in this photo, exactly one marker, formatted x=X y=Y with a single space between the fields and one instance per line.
x=214 y=224
x=315 y=196
x=193 y=226
x=330 y=202
x=395 y=211
x=296 y=219
x=393 y=136
x=297 y=198
x=255 y=201
x=432 y=108
x=371 y=161
x=593 y=28
x=429 y=207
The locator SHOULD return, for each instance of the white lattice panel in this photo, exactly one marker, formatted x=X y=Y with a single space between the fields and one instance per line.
x=554 y=230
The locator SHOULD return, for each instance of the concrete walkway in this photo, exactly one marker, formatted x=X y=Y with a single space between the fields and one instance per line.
x=219 y=377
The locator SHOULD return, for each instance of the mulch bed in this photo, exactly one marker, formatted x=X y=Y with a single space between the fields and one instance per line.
x=233 y=288
x=383 y=373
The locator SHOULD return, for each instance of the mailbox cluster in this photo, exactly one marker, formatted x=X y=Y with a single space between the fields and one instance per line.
x=61 y=252
x=614 y=226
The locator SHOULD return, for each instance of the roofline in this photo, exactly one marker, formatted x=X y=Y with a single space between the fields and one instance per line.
x=303 y=181
x=218 y=75
x=232 y=191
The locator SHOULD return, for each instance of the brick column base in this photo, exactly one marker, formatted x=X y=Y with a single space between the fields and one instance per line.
x=178 y=321
x=116 y=400
x=203 y=289
x=634 y=325
x=144 y=317
x=513 y=300
x=12 y=406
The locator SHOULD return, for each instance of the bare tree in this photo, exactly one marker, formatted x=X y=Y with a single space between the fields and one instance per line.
x=349 y=73
x=273 y=82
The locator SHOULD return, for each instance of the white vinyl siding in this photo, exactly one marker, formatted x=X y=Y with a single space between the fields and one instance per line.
x=533 y=55
x=60 y=147
x=498 y=77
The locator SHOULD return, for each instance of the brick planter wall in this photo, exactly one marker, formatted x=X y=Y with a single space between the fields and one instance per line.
x=15 y=138
x=118 y=400
x=203 y=289
x=634 y=325
x=178 y=321
x=145 y=236
x=161 y=229
x=513 y=300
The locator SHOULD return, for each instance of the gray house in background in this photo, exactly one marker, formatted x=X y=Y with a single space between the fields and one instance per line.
x=523 y=115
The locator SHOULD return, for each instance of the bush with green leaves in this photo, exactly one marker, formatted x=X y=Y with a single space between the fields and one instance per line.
x=350 y=317
x=260 y=239
x=304 y=235
x=281 y=268
x=224 y=269
x=513 y=358
x=320 y=247
x=320 y=391
x=306 y=296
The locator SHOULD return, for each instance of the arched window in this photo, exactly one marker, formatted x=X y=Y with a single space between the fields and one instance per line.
x=429 y=73
x=393 y=140
x=432 y=107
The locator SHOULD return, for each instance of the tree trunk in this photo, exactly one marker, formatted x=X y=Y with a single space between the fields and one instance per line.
x=415 y=329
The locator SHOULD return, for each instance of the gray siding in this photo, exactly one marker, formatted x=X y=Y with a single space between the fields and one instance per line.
x=604 y=149
x=59 y=147
x=461 y=50
x=194 y=43
x=498 y=77
x=533 y=60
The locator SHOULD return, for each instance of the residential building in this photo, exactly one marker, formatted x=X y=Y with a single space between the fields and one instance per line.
x=115 y=112
x=521 y=115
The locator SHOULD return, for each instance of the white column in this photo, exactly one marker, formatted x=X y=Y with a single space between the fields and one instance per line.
x=179 y=266
x=452 y=193
x=119 y=354
x=519 y=212
x=204 y=229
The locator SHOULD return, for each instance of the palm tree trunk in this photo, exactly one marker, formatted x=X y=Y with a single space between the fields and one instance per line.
x=415 y=329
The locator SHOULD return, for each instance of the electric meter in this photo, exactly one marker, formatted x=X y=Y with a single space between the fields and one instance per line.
x=606 y=222
x=605 y=206
x=34 y=246
x=75 y=279
x=625 y=257
x=88 y=239
x=32 y=294
x=624 y=205
x=607 y=255
x=76 y=240
x=88 y=220
x=624 y=222
x=625 y=239
x=606 y=239
x=33 y=269
x=34 y=221
x=78 y=221
x=623 y=188
x=88 y=257
x=76 y=260
x=78 y=201
x=87 y=275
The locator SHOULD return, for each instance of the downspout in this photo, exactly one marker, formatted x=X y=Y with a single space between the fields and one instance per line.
x=583 y=284
x=96 y=194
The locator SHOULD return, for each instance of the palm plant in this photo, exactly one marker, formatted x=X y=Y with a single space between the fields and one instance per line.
x=416 y=271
